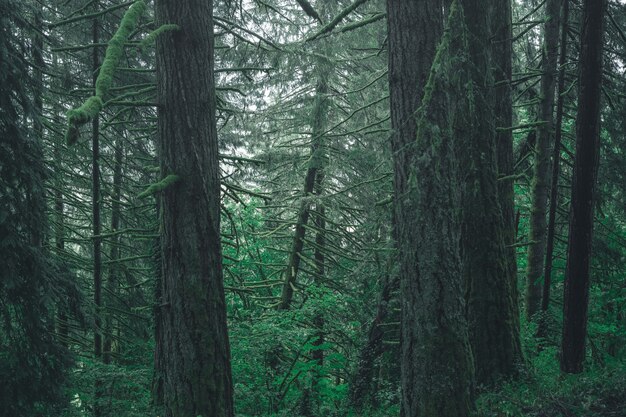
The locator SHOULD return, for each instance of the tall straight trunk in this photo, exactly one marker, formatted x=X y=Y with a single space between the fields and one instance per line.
x=556 y=161
x=541 y=168
x=491 y=307
x=196 y=352
x=436 y=359
x=95 y=213
x=576 y=297
x=115 y=252
x=502 y=50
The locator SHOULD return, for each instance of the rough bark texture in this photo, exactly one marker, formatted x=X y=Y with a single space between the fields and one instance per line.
x=196 y=354
x=502 y=49
x=436 y=359
x=576 y=297
x=541 y=167
x=491 y=308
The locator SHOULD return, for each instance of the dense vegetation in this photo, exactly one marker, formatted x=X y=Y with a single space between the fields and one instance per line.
x=313 y=208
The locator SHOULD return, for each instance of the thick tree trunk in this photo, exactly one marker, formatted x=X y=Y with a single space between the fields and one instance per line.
x=436 y=360
x=491 y=305
x=541 y=167
x=502 y=49
x=196 y=353
x=576 y=297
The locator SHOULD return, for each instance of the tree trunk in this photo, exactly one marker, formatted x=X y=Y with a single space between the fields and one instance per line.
x=502 y=49
x=360 y=388
x=436 y=360
x=541 y=168
x=576 y=296
x=114 y=253
x=491 y=307
x=95 y=213
x=196 y=353
x=556 y=161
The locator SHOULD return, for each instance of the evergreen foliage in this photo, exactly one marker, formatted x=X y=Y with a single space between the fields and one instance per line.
x=307 y=206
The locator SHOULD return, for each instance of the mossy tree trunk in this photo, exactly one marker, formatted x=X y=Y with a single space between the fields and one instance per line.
x=197 y=377
x=437 y=369
x=576 y=297
x=502 y=50
x=541 y=167
x=491 y=307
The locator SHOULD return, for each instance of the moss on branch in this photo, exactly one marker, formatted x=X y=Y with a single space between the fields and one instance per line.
x=115 y=49
x=160 y=186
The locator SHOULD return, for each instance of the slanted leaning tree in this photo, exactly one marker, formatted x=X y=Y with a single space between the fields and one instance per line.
x=196 y=353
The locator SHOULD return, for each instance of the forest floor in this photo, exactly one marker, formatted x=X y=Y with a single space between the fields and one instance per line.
x=543 y=391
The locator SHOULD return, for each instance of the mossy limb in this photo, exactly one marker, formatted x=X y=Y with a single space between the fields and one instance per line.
x=160 y=186
x=90 y=109
x=115 y=50
x=151 y=38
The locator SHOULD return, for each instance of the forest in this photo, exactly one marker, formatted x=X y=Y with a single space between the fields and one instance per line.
x=316 y=208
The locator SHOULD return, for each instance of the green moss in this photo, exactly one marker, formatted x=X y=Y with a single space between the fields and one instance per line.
x=155 y=33
x=115 y=50
x=81 y=115
x=160 y=186
x=90 y=109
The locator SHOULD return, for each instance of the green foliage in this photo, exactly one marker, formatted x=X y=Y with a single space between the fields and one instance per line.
x=32 y=363
x=544 y=391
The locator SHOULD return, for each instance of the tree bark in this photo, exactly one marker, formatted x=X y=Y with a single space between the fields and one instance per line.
x=95 y=213
x=196 y=353
x=360 y=388
x=556 y=161
x=436 y=359
x=491 y=307
x=114 y=253
x=541 y=168
x=502 y=50
x=576 y=296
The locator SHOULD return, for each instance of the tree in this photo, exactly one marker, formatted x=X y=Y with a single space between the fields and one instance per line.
x=32 y=362
x=437 y=369
x=576 y=296
x=541 y=167
x=491 y=308
x=196 y=353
